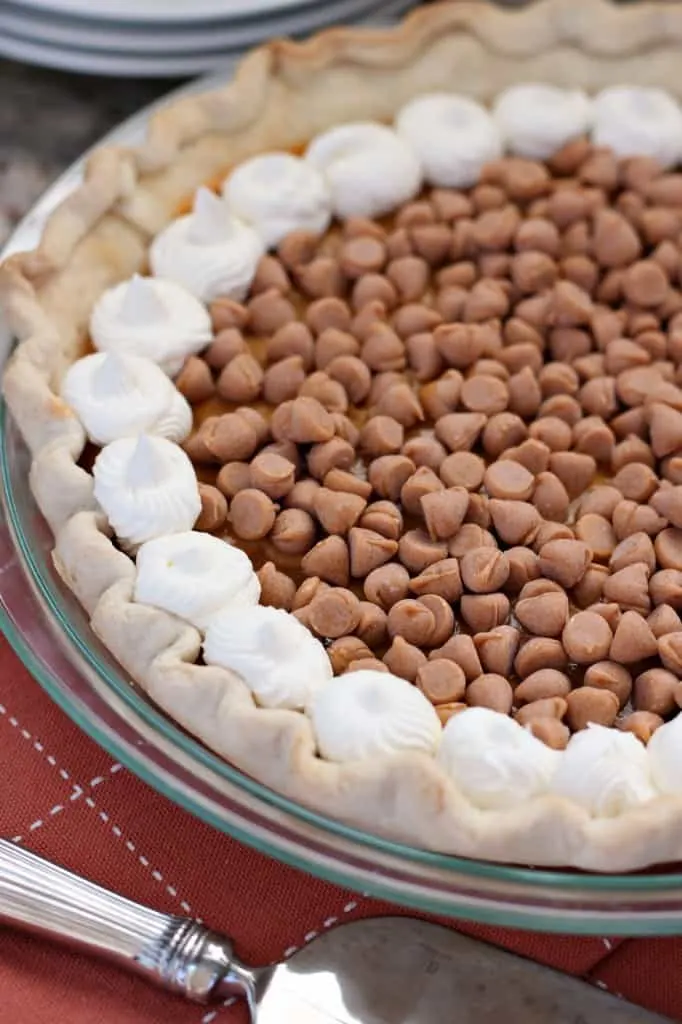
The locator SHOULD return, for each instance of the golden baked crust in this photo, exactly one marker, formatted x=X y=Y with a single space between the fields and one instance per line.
x=283 y=94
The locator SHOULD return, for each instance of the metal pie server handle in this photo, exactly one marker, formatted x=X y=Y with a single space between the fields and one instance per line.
x=175 y=953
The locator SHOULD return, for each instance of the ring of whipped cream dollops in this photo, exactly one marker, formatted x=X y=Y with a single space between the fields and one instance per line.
x=144 y=329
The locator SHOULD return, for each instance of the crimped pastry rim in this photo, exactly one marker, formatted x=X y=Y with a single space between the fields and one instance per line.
x=282 y=94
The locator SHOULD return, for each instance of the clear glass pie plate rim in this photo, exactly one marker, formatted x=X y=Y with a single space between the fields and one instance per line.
x=49 y=631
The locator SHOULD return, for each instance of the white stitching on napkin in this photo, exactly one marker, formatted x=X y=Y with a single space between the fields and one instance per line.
x=76 y=794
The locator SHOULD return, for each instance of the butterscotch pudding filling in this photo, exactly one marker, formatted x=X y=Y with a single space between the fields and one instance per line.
x=431 y=495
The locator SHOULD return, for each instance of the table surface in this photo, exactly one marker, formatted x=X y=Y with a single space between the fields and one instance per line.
x=47 y=119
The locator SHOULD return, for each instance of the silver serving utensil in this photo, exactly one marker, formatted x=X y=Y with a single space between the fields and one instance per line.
x=391 y=970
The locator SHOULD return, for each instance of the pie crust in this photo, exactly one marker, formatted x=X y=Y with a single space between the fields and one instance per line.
x=283 y=94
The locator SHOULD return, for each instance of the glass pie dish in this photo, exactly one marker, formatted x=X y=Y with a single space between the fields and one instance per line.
x=50 y=632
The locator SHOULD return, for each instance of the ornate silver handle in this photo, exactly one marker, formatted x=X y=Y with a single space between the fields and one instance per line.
x=176 y=953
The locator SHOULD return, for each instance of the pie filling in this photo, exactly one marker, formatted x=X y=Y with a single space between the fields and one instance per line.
x=419 y=474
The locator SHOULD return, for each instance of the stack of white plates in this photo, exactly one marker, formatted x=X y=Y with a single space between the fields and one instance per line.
x=160 y=38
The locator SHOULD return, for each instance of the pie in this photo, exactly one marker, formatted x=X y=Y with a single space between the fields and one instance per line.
x=354 y=400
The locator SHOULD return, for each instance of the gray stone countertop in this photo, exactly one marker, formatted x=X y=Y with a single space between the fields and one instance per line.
x=48 y=118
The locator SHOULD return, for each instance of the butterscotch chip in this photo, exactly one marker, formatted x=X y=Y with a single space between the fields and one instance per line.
x=321 y=278
x=460 y=649
x=668 y=548
x=459 y=431
x=551 y=732
x=268 y=311
x=588 y=705
x=328 y=312
x=608 y=675
x=460 y=345
x=553 y=432
x=307 y=591
x=383 y=517
x=483 y=612
x=532 y=272
x=642 y=723
x=195 y=381
x=539 y=653
x=463 y=469
x=302 y=495
x=485 y=394
x=664 y=619
x=631 y=449
x=668 y=503
x=609 y=611
x=503 y=431
x=404 y=659
x=272 y=474
x=338 y=511
x=252 y=514
x=297 y=248
x=552 y=708
x=550 y=497
x=494 y=229
x=383 y=382
x=227 y=344
x=412 y=620
x=387 y=585
x=345 y=651
x=282 y=380
x=508 y=481
x=635 y=548
x=441 y=578
x=334 y=613
x=381 y=435
x=368 y=550
x=293 y=532
x=575 y=470
x=549 y=531
x=497 y=649
x=364 y=664
x=227 y=313
x=234 y=477
x=478 y=511
x=633 y=640
x=388 y=473
x=468 y=537
x=413 y=317
x=362 y=254
x=341 y=480
x=329 y=393
x=562 y=407
x=277 y=590
x=615 y=241
x=654 y=691
x=382 y=349
x=401 y=403
x=328 y=455
x=424 y=450
x=670 y=651
x=270 y=273
x=597 y=533
x=293 y=339
x=440 y=397
x=531 y=453
x=486 y=300
x=329 y=560
x=629 y=517
x=645 y=283
x=352 y=374
x=665 y=429
x=416 y=550
x=442 y=681
x=543 y=684
x=586 y=638
x=636 y=482
x=432 y=242
x=371 y=627
x=490 y=691
x=423 y=356
x=592 y=436
x=303 y=420
x=524 y=392
x=589 y=590
x=523 y=566
x=484 y=570
x=571 y=305
x=450 y=302
x=629 y=588
x=544 y=615
x=598 y=397
x=422 y=482
x=213 y=515
x=229 y=437
x=537 y=234
x=332 y=342
x=371 y=288
x=515 y=522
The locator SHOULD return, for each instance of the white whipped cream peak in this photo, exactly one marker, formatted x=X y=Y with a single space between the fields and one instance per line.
x=150 y=317
x=280 y=661
x=536 y=120
x=209 y=252
x=368 y=714
x=604 y=770
x=494 y=761
x=638 y=121
x=194 y=576
x=277 y=193
x=120 y=395
x=665 y=756
x=453 y=137
x=147 y=488
x=368 y=168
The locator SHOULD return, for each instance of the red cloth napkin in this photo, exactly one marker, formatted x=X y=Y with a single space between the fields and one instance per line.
x=64 y=797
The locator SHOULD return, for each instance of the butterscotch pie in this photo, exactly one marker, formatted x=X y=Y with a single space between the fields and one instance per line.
x=354 y=398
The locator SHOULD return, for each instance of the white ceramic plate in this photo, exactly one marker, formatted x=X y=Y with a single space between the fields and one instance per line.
x=178 y=11
x=42 y=29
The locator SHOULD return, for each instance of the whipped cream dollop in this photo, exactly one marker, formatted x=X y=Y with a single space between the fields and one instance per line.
x=368 y=168
x=194 y=575
x=638 y=121
x=147 y=487
x=278 y=658
x=369 y=714
x=604 y=770
x=495 y=762
x=120 y=395
x=146 y=316
x=277 y=193
x=209 y=251
x=665 y=756
x=537 y=120
x=453 y=136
